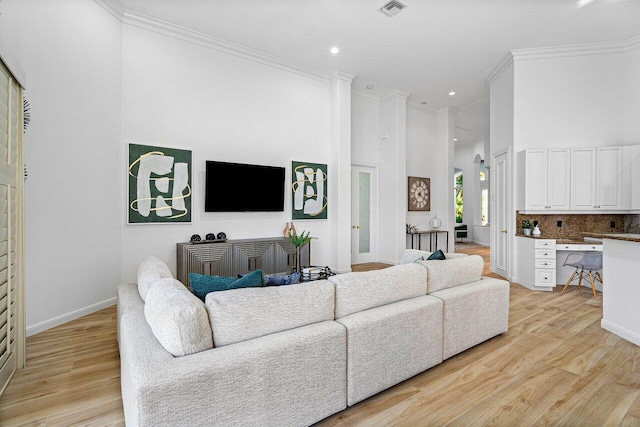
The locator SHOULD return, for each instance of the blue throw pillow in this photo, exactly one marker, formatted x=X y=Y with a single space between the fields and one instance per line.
x=287 y=279
x=201 y=284
x=437 y=255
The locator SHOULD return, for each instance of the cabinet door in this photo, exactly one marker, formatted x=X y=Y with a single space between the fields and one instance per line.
x=536 y=179
x=559 y=172
x=609 y=178
x=254 y=255
x=583 y=179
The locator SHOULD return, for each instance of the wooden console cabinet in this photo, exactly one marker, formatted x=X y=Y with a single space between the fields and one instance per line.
x=271 y=255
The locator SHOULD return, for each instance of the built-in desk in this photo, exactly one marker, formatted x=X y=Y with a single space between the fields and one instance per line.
x=539 y=263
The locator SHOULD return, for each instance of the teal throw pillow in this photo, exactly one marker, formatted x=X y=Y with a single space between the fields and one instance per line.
x=437 y=255
x=201 y=284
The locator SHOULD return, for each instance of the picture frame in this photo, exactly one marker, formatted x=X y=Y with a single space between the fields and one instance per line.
x=419 y=194
x=159 y=185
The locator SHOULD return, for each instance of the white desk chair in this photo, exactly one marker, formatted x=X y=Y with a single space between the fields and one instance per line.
x=589 y=261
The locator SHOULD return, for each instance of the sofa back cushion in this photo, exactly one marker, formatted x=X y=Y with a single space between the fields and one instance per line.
x=242 y=314
x=177 y=318
x=413 y=255
x=360 y=291
x=151 y=269
x=443 y=274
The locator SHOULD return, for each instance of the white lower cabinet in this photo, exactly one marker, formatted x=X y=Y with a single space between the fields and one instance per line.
x=545 y=253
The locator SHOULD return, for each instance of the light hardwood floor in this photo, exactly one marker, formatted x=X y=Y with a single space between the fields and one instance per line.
x=555 y=366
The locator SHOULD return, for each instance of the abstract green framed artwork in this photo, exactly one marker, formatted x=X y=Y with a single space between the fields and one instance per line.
x=309 y=187
x=159 y=185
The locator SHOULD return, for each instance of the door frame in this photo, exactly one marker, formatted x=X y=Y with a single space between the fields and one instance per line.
x=374 y=211
x=508 y=217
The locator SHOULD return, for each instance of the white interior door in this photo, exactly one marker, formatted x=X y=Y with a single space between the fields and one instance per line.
x=363 y=218
x=500 y=249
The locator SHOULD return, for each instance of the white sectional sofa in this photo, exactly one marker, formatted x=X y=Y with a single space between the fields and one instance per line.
x=293 y=355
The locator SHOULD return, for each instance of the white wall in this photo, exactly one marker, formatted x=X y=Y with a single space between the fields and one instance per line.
x=70 y=52
x=224 y=108
x=574 y=101
x=421 y=160
x=96 y=85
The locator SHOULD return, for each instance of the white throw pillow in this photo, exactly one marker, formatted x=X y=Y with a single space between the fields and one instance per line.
x=178 y=319
x=151 y=269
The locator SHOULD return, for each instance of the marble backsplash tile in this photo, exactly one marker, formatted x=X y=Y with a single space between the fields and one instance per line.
x=573 y=225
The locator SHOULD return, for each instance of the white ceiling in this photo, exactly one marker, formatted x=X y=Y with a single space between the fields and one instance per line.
x=429 y=49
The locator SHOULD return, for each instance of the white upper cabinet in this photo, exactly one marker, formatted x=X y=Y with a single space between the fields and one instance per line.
x=596 y=179
x=547 y=174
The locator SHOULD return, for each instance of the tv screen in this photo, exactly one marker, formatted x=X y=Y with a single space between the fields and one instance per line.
x=237 y=187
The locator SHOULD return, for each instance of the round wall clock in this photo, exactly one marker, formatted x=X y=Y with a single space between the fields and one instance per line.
x=419 y=194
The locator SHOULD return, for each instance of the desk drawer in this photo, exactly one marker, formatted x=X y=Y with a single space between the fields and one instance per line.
x=568 y=247
x=545 y=277
x=546 y=263
x=591 y=248
x=545 y=253
x=545 y=243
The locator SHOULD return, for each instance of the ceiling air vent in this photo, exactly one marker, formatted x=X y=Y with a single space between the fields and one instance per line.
x=392 y=8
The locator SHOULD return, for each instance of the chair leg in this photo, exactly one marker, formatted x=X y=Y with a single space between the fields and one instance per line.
x=593 y=285
x=599 y=276
x=580 y=279
x=569 y=281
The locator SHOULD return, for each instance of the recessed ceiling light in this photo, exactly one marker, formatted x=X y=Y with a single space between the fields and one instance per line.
x=455 y=139
x=452 y=93
x=369 y=86
x=334 y=50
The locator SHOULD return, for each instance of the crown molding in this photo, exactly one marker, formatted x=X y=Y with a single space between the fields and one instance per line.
x=345 y=76
x=365 y=97
x=601 y=48
x=114 y=8
x=396 y=94
x=415 y=105
x=500 y=68
x=445 y=111
x=168 y=29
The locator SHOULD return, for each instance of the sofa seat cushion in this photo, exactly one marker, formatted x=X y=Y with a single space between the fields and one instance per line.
x=413 y=255
x=358 y=291
x=473 y=313
x=151 y=268
x=452 y=272
x=242 y=314
x=177 y=318
x=388 y=344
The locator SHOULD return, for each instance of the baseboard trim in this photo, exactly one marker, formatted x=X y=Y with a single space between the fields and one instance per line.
x=620 y=331
x=57 y=321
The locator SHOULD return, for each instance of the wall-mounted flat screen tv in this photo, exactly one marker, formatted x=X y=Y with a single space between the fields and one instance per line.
x=238 y=187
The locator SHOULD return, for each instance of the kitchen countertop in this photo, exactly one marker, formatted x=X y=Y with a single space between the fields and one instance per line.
x=630 y=237
x=560 y=241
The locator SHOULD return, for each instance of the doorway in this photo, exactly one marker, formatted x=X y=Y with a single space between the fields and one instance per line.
x=363 y=214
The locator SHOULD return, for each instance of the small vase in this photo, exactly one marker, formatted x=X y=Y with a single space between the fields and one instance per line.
x=536 y=231
x=526 y=231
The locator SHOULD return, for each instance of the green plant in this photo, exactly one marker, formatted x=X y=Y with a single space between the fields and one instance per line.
x=525 y=224
x=301 y=239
